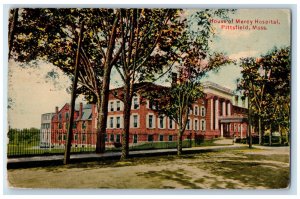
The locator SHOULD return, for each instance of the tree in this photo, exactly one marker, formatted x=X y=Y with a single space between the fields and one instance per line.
x=51 y=35
x=278 y=89
x=146 y=37
x=265 y=81
x=153 y=41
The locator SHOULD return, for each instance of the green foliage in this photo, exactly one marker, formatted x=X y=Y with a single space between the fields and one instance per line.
x=266 y=81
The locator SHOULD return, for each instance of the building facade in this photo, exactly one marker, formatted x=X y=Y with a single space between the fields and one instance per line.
x=45 y=135
x=215 y=115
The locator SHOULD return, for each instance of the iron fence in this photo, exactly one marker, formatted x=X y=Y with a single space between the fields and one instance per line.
x=47 y=142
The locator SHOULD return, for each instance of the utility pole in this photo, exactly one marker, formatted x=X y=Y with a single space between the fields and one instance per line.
x=73 y=98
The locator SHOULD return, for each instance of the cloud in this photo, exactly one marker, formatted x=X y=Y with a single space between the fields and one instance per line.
x=250 y=53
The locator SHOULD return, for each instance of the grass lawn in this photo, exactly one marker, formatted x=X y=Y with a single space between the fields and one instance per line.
x=227 y=169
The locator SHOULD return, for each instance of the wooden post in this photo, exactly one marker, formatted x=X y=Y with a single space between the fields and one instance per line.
x=73 y=98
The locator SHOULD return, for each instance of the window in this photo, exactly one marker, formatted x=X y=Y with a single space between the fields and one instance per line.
x=135 y=121
x=75 y=137
x=239 y=128
x=59 y=137
x=106 y=139
x=135 y=138
x=83 y=137
x=118 y=105
x=150 y=121
x=67 y=116
x=196 y=125
x=188 y=124
x=170 y=138
x=118 y=122
x=150 y=138
x=170 y=124
x=118 y=138
x=196 y=110
x=161 y=138
x=202 y=111
x=65 y=137
x=112 y=138
x=74 y=125
x=203 y=125
x=111 y=106
x=161 y=122
x=135 y=103
x=83 y=125
x=59 y=126
x=111 y=122
x=59 y=116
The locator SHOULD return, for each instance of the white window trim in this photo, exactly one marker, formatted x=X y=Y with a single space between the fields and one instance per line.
x=153 y=121
x=109 y=122
x=173 y=123
x=132 y=120
x=203 y=127
x=164 y=122
x=196 y=106
x=190 y=126
x=138 y=100
x=196 y=127
x=117 y=105
x=203 y=115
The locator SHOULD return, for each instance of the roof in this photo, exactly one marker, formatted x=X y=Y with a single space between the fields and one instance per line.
x=86 y=114
x=209 y=84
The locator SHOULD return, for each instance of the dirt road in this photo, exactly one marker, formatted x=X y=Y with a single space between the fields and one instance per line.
x=259 y=168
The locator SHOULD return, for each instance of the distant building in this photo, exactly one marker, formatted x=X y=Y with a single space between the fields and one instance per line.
x=45 y=139
x=215 y=115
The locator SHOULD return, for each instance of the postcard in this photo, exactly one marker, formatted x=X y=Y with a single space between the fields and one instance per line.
x=145 y=98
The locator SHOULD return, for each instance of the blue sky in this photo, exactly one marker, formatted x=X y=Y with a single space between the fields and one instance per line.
x=33 y=94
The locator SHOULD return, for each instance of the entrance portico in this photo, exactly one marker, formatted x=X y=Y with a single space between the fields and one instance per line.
x=233 y=125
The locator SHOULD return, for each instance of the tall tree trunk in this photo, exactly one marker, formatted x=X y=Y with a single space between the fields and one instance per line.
x=279 y=129
x=259 y=130
x=126 y=115
x=249 y=126
x=101 y=131
x=179 y=142
x=270 y=136
x=98 y=123
x=12 y=30
x=102 y=114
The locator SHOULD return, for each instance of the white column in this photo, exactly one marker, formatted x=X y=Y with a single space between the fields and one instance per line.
x=211 y=113
x=217 y=114
x=229 y=109
x=223 y=108
x=221 y=130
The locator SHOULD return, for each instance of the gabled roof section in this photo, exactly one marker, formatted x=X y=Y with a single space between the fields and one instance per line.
x=86 y=114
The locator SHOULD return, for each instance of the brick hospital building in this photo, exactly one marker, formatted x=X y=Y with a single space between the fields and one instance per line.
x=219 y=114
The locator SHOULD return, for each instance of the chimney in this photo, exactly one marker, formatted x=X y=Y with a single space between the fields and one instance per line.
x=80 y=110
x=236 y=100
x=174 y=79
x=56 y=109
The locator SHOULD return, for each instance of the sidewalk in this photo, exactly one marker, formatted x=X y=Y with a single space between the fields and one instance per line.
x=25 y=162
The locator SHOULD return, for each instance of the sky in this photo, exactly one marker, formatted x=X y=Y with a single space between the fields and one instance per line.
x=33 y=94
